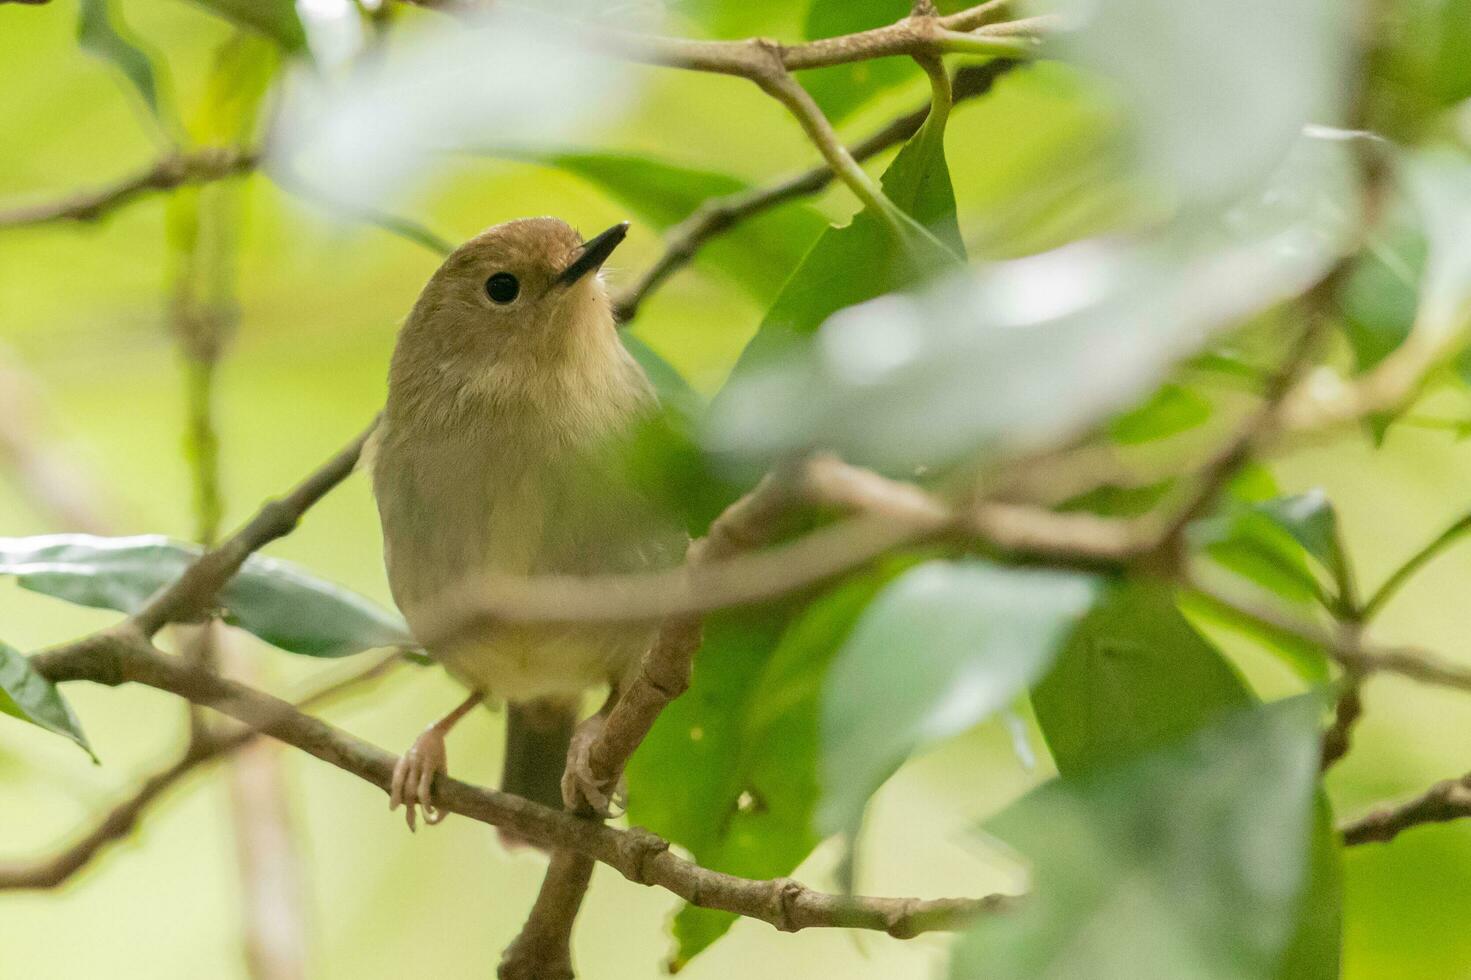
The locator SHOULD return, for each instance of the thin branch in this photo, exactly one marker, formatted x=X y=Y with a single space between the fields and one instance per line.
x=170 y=172
x=124 y=655
x=1445 y=801
x=718 y=215
x=193 y=593
x=1418 y=560
x=55 y=869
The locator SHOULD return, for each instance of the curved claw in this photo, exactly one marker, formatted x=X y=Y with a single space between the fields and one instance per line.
x=580 y=787
x=413 y=778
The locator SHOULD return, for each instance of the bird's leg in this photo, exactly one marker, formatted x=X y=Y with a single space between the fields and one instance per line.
x=580 y=787
x=413 y=776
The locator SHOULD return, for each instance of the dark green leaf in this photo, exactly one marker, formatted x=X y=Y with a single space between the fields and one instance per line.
x=1110 y=500
x=1133 y=676
x=1192 y=861
x=1171 y=410
x=942 y=648
x=865 y=259
x=1381 y=294
x=1307 y=660
x=276 y=19
x=1265 y=542
x=104 y=35
x=274 y=599
x=30 y=697
x=842 y=88
x=757 y=254
x=755 y=820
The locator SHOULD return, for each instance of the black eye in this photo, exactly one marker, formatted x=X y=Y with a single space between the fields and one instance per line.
x=502 y=287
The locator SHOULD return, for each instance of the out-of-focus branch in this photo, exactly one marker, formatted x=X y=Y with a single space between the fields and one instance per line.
x=124 y=655
x=1445 y=801
x=202 y=166
x=55 y=869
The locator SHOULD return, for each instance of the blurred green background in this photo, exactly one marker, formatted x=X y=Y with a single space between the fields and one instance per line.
x=82 y=310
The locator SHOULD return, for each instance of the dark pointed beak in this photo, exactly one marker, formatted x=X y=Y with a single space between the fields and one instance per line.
x=594 y=253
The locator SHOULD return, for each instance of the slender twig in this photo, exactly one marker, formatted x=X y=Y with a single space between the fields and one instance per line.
x=55 y=869
x=1418 y=560
x=124 y=655
x=717 y=215
x=1347 y=711
x=173 y=171
x=1445 y=801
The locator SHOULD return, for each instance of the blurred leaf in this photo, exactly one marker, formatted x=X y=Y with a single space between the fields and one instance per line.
x=943 y=647
x=241 y=72
x=1192 y=861
x=757 y=821
x=758 y=254
x=103 y=34
x=275 y=600
x=1380 y=295
x=1306 y=660
x=1420 y=65
x=1134 y=676
x=1019 y=355
x=1265 y=543
x=1110 y=500
x=492 y=77
x=1438 y=184
x=1171 y=410
x=276 y=19
x=840 y=89
x=1170 y=65
x=27 y=695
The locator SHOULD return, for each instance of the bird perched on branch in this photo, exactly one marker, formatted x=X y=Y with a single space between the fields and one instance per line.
x=509 y=390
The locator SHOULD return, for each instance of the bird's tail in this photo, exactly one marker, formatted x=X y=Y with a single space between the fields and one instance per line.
x=537 y=736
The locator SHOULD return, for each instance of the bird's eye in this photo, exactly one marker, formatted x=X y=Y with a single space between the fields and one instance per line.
x=502 y=287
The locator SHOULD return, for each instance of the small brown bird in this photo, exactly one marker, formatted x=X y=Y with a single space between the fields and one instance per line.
x=508 y=389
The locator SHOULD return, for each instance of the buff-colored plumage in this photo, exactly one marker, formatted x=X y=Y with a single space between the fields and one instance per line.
x=493 y=455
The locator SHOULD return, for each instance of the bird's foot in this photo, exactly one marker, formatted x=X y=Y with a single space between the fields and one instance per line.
x=580 y=786
x=413 y=777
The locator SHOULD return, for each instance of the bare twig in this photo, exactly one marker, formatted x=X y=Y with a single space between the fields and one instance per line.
x=168 y=173
x=1445 y=801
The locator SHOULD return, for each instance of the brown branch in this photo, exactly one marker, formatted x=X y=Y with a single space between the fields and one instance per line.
x=54 y=870
x=193 y=593
x=1445 y=801
x=718 y=215
x=215 y=163
x=124 y=655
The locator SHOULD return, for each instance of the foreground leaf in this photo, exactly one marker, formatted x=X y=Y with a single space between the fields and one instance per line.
x=942 y=648
x=276 y=600
x=1019 y=355
x=1188 y=862
x=30 y=697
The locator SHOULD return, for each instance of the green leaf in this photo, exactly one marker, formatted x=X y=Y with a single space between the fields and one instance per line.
x=759 y=736
x=1380 y=295
x=757 y=254
x=240 y=75
x=840 y=89
x=30 y=697
x=103 y=34
x=1421 y=67
x=865 y=259
x=276 y=600
x=1308 y=660
x=1133 y=676
x=1019 y=355
x=275 y=19
x=1192 y=861
x=942 y=648
x=1265 y=542
x=1171 y=410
